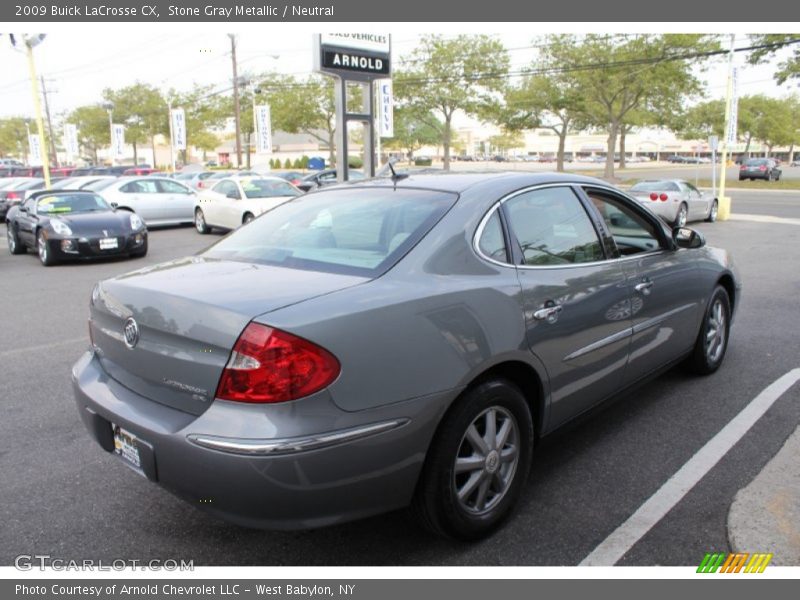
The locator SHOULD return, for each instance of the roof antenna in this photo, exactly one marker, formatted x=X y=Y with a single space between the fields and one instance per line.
x=396 y=176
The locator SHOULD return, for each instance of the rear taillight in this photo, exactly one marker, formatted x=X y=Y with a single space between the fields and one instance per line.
x=762 y=168
x=653 y=196
x=663 y=197
x=12 y=196
x=269 y=365
x=741 y=168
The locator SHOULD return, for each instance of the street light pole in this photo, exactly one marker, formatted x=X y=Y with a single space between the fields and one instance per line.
x=30 y=42
x=723 y=202
x=236 y=102
x=110 y=110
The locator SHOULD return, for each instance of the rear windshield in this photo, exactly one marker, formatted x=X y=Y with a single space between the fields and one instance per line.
x=655 y=186
x=755 y=162
x=352 y=231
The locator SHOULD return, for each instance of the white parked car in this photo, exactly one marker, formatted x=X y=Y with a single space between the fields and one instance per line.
x=157 y=200
x=237 y=200
x=81 y=182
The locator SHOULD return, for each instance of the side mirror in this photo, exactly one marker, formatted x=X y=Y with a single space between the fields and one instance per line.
x=23 y=209
x=686 y=237
x=114 y=205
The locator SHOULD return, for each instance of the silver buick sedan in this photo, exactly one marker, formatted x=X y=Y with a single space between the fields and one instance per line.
x=396 y=342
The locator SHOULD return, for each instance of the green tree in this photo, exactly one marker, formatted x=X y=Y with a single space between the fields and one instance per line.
x=701 y=120
x=620 y=75
x=789 y=68
x=444 y=76
x=93 y=128
x=768 y=120
x=143 y=110
x=507 y=140
x=412 y=132
x=13 y=136
x=553 y=102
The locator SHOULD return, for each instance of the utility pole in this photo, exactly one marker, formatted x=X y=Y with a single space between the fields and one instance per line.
x=236 y=102
x=49 y=123
x=723 y=202
x=30 y=42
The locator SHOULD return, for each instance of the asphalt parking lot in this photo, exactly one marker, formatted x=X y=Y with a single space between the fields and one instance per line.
x=63 y=496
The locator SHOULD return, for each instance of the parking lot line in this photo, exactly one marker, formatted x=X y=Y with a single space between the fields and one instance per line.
x=764 y=219
x=6 y=353
x=622 y=539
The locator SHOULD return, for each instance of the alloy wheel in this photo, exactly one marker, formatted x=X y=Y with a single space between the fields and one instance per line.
x=716 y=332
x=486 y=460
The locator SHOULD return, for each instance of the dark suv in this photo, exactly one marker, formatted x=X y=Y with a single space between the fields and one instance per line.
x=760 y=168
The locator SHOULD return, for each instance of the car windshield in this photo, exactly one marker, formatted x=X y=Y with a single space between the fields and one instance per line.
x=70 y=203
x=352 y=231
x=267 y=188
x=655 y=186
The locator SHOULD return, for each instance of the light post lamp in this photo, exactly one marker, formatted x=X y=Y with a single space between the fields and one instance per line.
x=109 y=106
x=31 y=41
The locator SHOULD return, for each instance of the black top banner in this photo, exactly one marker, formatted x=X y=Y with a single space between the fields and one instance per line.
x=335 y=11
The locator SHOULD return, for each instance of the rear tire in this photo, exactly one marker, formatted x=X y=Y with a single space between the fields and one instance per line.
x=712 y=212
x=477 y=464
x=712 y=340
x=682 y=216
x=200 y=222
x=15 y=246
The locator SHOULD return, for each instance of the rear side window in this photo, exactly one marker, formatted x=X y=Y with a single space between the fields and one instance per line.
x=354 y=231
x=552 y=228
x=492 y=243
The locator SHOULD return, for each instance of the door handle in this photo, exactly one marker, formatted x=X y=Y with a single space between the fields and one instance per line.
x=548 y=312
x=644 y=287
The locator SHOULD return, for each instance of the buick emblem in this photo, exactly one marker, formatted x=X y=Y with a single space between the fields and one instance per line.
x=131 y=333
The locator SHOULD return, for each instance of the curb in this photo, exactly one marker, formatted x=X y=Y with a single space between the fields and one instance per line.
x=765 y=515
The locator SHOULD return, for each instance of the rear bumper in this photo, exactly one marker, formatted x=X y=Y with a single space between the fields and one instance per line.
x=296 y=465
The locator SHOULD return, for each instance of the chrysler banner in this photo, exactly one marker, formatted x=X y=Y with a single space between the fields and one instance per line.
x=71 y=140
x=263 y=126
x=117 y=140
x=385 y=108
x=35 y=145
x=178 y=128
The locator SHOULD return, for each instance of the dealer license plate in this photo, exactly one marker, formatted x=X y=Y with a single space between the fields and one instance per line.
x=109 y=243
x=125 y=447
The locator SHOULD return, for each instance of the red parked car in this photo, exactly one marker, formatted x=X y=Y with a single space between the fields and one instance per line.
x=141 y=171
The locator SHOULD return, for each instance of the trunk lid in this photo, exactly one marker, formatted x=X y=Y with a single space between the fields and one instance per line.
x=188 y=314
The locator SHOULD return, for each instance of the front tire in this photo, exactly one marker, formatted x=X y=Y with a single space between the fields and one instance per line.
x=477 y=464
x=712 y=340
x=712 y=212
x=200 y=222
x=42 y=247
x=140 y=253
x=15 y=246
x=247 y=218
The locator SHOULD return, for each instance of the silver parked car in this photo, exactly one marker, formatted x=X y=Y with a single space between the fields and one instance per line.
x=394 y=342
x=157 y=200
x=676 y=201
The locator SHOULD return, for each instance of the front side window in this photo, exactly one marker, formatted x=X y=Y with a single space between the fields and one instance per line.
x=354 y=231
x=632 y=233
x=552 y=228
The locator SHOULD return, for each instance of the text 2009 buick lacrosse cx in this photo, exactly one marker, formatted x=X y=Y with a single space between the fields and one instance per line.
x=393 y=343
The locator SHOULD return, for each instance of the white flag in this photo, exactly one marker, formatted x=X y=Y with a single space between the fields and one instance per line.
x=178 y=128
x=263 y=126
x=71 y=140
x=385 y=108
x=35 y=145
x=117 y=140
x=733 y=131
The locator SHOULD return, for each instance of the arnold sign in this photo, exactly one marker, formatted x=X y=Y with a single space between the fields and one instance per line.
x=355 y=56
